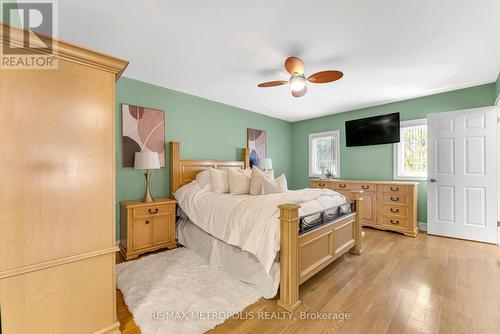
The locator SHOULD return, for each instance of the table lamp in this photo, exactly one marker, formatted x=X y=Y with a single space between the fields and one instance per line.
x=266 y=164
x=147 y=160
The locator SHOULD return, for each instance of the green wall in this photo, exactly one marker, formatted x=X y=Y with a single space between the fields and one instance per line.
x=211 y=130
x=376 y=162
x=497 y=86
x=206 y=130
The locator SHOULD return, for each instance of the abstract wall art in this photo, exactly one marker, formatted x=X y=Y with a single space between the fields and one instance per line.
x=142 y=128
x=257 y=145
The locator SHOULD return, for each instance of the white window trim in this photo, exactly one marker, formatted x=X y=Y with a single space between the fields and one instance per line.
x=396 y=149
x=335 y=134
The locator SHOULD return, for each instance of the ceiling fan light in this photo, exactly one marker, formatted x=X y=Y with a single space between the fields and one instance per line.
x=297 y=83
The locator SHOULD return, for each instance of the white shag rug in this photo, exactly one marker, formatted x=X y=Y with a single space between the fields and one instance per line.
x=177 y=291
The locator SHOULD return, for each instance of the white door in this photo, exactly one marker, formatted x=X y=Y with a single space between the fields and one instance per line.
x=462 y=174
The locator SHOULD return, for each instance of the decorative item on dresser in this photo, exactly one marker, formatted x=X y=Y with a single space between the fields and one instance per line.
x=387 y=205
x=57 y=213
x=146 y=227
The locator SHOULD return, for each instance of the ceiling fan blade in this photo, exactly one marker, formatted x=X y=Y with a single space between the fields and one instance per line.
x=325 y=76
x=299 y=93
x=272 y=83
x=294 y=66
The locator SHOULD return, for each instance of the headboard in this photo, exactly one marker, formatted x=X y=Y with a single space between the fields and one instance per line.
x=185 y=171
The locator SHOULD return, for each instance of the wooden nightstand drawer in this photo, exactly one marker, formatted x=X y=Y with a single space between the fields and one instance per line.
x=146 y=227
x=153 y=210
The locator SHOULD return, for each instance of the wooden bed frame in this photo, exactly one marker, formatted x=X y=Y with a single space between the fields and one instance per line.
x=301 y=254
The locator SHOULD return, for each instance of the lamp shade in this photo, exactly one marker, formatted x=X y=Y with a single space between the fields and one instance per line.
x=266 y=164
x=146 y=160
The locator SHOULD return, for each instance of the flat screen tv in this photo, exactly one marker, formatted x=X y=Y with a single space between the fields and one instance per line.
x=373 y=130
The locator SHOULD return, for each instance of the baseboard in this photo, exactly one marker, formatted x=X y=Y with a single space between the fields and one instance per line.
x=114 y=328
x=422 y=226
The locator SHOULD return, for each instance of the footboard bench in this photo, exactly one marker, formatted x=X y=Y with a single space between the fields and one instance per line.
x=309 y=246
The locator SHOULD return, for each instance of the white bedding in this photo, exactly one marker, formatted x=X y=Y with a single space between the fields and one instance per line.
x=240 y=264
x=245 y=221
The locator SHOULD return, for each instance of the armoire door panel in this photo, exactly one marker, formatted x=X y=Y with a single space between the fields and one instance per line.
x=58 y=188
x=76 y=298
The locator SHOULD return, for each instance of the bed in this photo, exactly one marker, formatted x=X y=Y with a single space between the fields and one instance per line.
x=269 y=240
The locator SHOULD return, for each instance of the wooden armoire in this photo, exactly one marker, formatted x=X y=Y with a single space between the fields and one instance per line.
x=57 y=194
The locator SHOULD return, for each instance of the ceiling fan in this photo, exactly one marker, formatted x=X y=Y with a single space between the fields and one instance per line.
x=297 y=81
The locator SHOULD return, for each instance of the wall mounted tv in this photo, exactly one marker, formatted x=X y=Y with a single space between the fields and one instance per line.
x=373 y=130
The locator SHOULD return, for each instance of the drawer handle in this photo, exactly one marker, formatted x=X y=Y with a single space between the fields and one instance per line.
x=342 y=186
x=365 y=187
x=147 y=222
x=395 y=222
x=394 y=210
x=394 y=199
x=153 y=212
x=394 y=188
x=321 y=184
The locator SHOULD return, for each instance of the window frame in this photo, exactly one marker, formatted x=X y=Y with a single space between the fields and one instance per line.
x=336 y=155
x=397 y=152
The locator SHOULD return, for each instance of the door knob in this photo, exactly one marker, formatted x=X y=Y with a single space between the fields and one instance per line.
x=432 y=180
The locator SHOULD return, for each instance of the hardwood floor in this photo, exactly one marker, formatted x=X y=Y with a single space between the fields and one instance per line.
x=398 y=285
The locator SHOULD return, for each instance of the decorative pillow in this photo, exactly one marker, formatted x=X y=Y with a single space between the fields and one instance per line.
x=239 y=181
x=256 y=179
x=203 y=178
x=220 y=183
x=270 y=186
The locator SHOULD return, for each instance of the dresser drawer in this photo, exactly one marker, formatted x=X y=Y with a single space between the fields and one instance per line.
x=342 y=185
x=396 y=198
x=318 y=184
x=364 y=187
x=395 y=189
x=153 y=210
x=395 y=210
x=395 y=222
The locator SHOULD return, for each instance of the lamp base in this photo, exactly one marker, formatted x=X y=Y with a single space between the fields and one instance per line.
x=147 y=196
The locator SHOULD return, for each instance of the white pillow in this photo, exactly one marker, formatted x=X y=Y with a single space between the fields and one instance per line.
x=220 y=183
x=239 y=181
x=203 y=178
x=276 y=186
x=256 y=180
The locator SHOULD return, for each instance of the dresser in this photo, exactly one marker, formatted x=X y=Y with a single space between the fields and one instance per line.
x=387 y=205
x=57 y=207
x=146 y=227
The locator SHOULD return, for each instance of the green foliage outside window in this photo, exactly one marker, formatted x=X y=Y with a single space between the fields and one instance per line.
x=414 y=150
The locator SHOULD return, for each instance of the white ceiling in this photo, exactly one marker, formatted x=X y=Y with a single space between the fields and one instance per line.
x=389 y=50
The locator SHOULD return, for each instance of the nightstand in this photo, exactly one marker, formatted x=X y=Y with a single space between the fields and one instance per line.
x=146 y=227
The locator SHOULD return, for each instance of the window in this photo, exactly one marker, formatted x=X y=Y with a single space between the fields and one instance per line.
x=324 y=153
x=410 y=154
